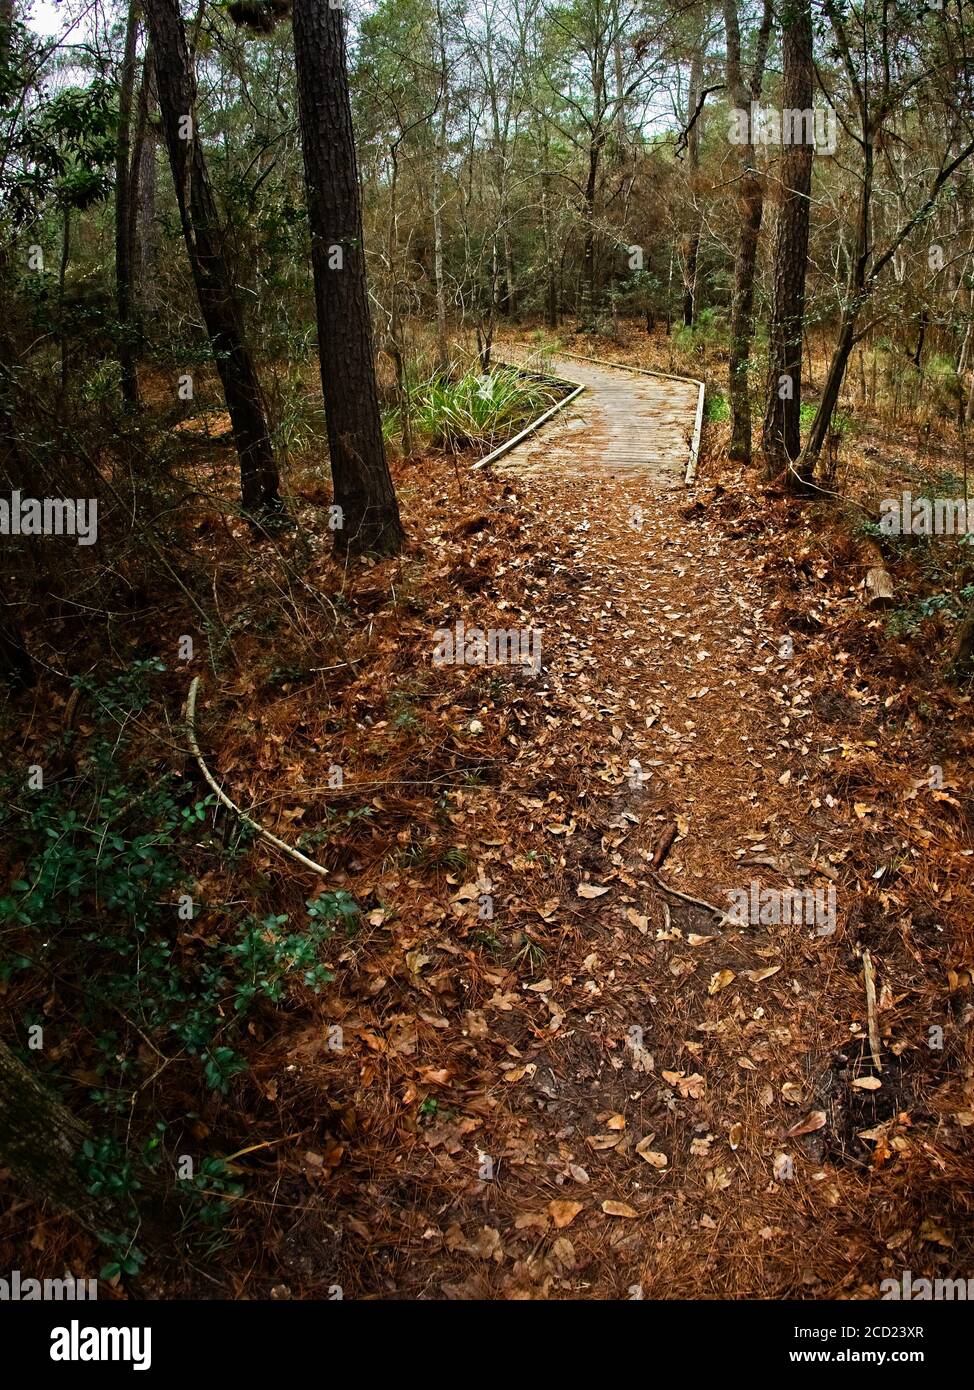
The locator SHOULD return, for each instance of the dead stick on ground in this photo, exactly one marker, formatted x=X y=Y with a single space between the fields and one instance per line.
x=869 y=976
x=684 y=897
x=225 y=800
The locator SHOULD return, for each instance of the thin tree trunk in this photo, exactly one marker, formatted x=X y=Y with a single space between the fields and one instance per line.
x=123 y=218
x=142 y=211
x=551 y=269
x=818 y=433
x=587 y=311
x=439 y=157
x=781 y=437
x=442 y=349
x=693 y=157
x=218 y=299
x=61 y=282
x=360 y=472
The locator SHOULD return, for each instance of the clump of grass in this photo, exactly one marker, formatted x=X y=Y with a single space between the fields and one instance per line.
x=477 y=408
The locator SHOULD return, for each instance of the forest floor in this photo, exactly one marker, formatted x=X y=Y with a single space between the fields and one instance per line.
x=556 y=1078
x=602 y=1091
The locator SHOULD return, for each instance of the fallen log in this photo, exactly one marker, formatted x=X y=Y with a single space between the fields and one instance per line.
x=878 y=583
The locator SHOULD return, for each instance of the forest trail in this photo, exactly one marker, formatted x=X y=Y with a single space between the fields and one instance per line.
x=628 y=1095
x=668 y=1051
x=624 y=421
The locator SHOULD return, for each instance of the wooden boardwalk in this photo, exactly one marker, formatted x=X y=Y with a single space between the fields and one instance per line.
x=623 y=423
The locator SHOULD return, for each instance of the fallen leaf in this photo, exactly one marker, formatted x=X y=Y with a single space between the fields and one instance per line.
x=657 y=1160
x=618 y=1209
x=590 y=890
x=720 y=980
x=564 y=1213
x=812 y=1122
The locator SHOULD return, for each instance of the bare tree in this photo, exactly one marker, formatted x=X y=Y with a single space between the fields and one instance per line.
x=123 y=211
x=880 y=85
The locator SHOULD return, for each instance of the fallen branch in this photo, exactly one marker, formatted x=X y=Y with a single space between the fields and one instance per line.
x=684 y=897
x=225 y=800
x=664 y=844
x=869 y=976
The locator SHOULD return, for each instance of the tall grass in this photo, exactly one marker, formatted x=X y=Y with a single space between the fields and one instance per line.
x=478 y=408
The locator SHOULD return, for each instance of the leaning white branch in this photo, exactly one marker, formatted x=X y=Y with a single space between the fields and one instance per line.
x=222 y=796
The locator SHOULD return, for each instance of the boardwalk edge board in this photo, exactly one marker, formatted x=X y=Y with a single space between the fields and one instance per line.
x=535 y=424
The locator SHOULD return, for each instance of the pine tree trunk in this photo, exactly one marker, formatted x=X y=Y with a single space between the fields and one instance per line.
x=551 y=269
x=781 y=437
x=439 y=160
x=587 y=310
x=142 y=211
x=360 y=472
x=751 y=207
x=219 y=303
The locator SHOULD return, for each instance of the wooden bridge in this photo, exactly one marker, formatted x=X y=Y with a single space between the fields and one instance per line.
x=622 y=420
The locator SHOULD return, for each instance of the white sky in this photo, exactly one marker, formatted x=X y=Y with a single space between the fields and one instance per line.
x=46 y=18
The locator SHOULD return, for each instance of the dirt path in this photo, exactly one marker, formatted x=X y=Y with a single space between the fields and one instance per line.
x=596 y=1089
x=657 y=1032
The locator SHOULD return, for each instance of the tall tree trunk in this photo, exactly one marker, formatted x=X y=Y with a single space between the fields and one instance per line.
x=143 y=209
x=442 y=348
x=587 y=310
x=439 y=158
x=123 y=215
x=7 y=76
x=218 y=299
x=750 y=207
x=16 y=667
x=62 y=277
x=551 y=268
x=360 y=472
x=781 y=437
x=693 y=157
x=510 y=301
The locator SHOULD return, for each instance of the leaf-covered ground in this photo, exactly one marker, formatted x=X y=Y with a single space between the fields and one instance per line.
x=539 y=1071
x=555 y=1077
